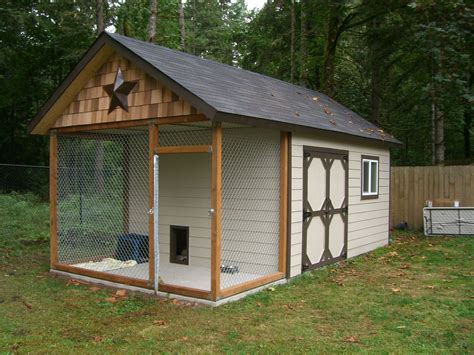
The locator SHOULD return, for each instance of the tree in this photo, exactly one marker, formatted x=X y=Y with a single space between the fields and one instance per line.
x=151 y=29
x=182 y=26
x=214 y=27
x=100 y=16
x=444 y=36
x=293 y=40
x=467 y=124
x=41 y=42
x=303 y=44
x=132 y=18
x=268 y=41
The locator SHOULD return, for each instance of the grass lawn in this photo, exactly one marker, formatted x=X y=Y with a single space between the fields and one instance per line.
x=416 y=295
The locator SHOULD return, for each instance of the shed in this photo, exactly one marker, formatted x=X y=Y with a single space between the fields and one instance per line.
x=180 y=175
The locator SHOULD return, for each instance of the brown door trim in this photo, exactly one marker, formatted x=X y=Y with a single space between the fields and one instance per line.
x=327 y=211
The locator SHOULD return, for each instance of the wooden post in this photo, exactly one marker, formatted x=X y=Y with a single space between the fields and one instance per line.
x=216 y=201
x=152 y=145
x=283 y=201
x=53 y=188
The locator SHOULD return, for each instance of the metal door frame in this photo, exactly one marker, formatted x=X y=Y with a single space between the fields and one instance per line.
x=327 y=157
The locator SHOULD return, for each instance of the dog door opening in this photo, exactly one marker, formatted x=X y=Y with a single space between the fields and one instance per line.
x=179 y=245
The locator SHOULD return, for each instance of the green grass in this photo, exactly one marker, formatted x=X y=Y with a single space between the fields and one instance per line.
x=24 y=220
x=416 y=295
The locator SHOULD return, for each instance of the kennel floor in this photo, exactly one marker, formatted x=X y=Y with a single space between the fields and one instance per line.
x=185 y=275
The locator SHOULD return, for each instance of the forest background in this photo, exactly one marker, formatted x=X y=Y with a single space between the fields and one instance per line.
x=405 y=65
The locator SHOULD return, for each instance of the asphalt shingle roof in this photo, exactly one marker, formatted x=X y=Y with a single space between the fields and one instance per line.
x=235 y=91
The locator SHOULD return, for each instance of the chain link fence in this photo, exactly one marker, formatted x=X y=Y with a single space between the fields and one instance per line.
x=23 y=179
x=102 y=202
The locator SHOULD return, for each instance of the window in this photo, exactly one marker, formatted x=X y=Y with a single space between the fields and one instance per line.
x=370 y=177
x=179 y=245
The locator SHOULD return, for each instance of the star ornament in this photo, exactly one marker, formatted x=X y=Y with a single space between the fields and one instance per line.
x=118 y=91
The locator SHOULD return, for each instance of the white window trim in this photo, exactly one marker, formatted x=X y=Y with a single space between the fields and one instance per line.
x=370 y=193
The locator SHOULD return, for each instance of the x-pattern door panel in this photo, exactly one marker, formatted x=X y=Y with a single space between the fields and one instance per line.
x=325 y=200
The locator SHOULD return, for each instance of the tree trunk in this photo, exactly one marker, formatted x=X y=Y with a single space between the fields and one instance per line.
x=467 y=123
x=439 y=137
x=303 y=44
x=332 y=37
x=437 y=115
x=467 y=131
x=99 y=16
x=437 y=121
x=151 y=29
x=433 y=130
x=292 y=50
x=182 y=26
x=193 y=22
x=375 y=72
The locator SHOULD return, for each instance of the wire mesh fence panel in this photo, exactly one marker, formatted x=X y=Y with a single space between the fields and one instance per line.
x=448 y=220
x=25 y=179
x=250 y=204
x=199 y=133
x=184 y=201
x=102 y=203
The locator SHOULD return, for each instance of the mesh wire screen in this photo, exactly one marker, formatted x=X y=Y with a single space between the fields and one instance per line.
x=455 y=221
x=102 y=203
x=184 y=200
x=189 y=134
x=250 y=204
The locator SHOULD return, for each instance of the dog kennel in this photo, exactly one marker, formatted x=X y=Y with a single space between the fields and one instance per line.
x=108 y=182
x=177 y=174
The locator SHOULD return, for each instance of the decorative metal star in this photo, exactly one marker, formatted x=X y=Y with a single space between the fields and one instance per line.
x=118 y=91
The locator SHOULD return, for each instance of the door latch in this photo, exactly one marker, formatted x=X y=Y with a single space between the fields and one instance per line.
x=210 y=212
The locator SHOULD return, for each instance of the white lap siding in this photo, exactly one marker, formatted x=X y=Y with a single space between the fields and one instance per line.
x=184 y=200
x=368 y=220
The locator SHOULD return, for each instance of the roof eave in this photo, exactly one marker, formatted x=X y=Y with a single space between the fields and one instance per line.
x=262 y=122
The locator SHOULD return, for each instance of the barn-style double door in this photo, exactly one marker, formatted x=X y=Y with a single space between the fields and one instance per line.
x=325 y=200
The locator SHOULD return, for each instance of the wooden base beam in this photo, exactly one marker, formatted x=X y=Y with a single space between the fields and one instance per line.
x=230 y=291
x=162 y=287
x=102 y=275
x=184 y=291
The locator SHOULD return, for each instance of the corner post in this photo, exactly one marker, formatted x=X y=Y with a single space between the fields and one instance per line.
x=152 y=145
x=53 y=186
x=283 y=201
x=216 y=204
